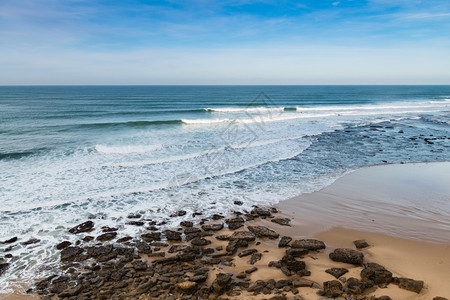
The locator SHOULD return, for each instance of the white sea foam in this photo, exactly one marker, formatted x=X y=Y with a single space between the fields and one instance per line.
x=126 y=149
x=245 y=110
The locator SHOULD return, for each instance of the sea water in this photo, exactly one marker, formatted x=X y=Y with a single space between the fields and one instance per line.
x=72 y=153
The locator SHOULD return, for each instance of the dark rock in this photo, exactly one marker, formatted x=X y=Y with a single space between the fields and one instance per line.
x=297 y=252
x=97 y=251
x=134 y=216
x=349 y=256
x=187 y=224
x=383 y=298
x=262 y=231
x=261 y=212
x=284 y=241
x=212 y=227
x=336 y=272
x=254 y=258
x=124 y=239
x=222 y=283
x=139 y=265
x=10 y=241
x=309 y=244
x=191 y=230
x=71 y=292
x=223 y=237
x=31 y=241
x=332 y=289
x=151 y=236
x=70 y=253
x=376 y=273
x=172 y=235
x=143 y=248
x=281 y=221
x=251 y=270
x=243 y=235
x=302 y=283
x=235 y=220
x=83 y=227
x=353 y=286
x=3 y=268
x=409 y=284
x=200 y=242
x=106 y=236
x=63 y=245
x=234 y=226
x=181 y=213
x=237 y=202
x=109 y=229
x=247 y=252
x=135 y=223
x=439 y=298
x=360 y=244
x=292 y=264
x=217 y=217
x=88 y=238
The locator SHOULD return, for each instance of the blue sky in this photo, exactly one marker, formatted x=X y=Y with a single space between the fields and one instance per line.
x=224 y=42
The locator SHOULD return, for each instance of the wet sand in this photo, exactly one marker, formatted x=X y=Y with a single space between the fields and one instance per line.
x=405 y=200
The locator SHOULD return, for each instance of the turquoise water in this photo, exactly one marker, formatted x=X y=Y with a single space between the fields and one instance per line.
x=102 y=152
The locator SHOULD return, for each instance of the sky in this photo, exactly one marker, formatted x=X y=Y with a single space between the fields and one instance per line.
x=64 y=42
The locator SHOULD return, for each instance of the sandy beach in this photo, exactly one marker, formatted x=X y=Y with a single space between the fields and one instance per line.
x=401 y=211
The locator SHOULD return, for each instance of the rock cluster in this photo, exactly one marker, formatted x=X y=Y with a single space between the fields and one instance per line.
x=183 y=263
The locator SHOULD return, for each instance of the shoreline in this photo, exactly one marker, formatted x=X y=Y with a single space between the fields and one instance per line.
x=410 y=257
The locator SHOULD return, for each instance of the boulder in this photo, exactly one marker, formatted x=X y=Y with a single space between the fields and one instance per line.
x=70 y=253
x=106 y=236
x=83 y=227
x=247 y=252
x=212 y=227
x=262 y=231
x=309 y=244
x=222 y=283
x=281 y=221
x=261 y=212
x=172 y=235
x=187 y=224
x=409 y=284
x=348 y=256
x=235 y=220
x=297 y=252
x=336 y=272
x=376 y=273
x=243 y=235
x=360 y=244
x=3 y=268
x=151 y=236
x=234 y=226
x=332 y=289
x=284 y=241
x=10 y=241
x=31 y=241
x=63 y=245
x=200 y=241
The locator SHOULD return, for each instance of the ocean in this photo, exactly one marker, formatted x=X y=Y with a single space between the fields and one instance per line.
x=72 y=153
